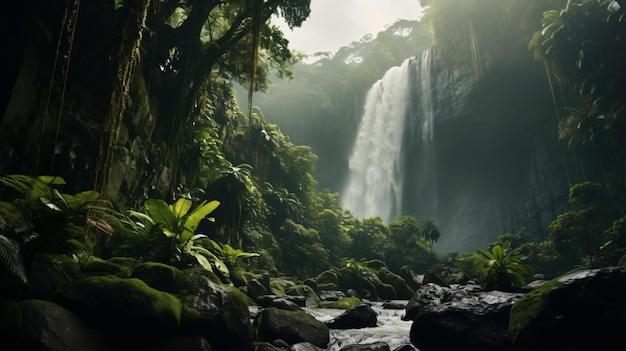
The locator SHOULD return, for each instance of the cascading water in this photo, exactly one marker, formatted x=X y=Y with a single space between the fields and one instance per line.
x=377 y=164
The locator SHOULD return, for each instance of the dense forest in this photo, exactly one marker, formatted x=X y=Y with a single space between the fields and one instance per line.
x=189 y=134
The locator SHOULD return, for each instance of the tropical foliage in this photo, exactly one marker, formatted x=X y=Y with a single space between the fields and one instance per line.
x=502 y=268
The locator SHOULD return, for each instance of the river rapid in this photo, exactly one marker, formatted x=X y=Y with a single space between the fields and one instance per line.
x=390 y=329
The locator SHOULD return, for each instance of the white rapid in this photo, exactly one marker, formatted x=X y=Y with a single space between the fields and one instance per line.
x=374 y=187
x=390 y=328
x=397 y=106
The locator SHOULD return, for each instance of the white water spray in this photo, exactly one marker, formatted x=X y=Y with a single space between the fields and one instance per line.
x=374 y=187
x=375 y=184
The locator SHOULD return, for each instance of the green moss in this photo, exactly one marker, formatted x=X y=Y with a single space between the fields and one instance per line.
x=158 y=275
x=327 y=277
x=123 y=261
x=97 y=265
x=241 y=297
x=343 y=303
x=189 y=315
x=385 y=291
x=128 y=301
x=375 y=264
x=527 y=307
x=277 y=288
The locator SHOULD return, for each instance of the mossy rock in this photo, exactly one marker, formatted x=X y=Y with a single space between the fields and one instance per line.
x=402 y=289
x=238 y=277
x=375 y=264
x=290 y=326
x=97 y=265
x=158 y=275
x=10 y=324
x=385 y=291
x=277 y=288
x=580 y=310
x=126 y=306
x=524 y=309
x=186 y=275
x=366 y=287
x=327 y=287
x=241 y=296
x=327 y=277
x=216 y=312
x=312 y=283
x=342 y=304
x=123 y=261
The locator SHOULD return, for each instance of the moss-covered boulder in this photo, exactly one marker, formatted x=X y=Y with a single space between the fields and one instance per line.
x=311 y=297
x=158 y=275
x=411 y=278
x=122 y=306
x=48 y=326
x=403 y=291
x=385 y=291
x=584 y=310
x=327 y=277
x=95 y=264
x=343 y=303
x=375 y=264
x=216 y=312
x=291 y=326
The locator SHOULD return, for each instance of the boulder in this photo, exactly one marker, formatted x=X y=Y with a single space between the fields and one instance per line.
x=256 y=288
x=362 y=316
x=377 y=346
x=158 y=275
x=48 y=326
x=342 y=304
x=304 y=346
x=403 y=290
x=413 y=280
x=291 y=326
x=428 y=294
x=281 y=302
x=460 y=318
x=311 y=297
x=331 y=295
x=215 y=312
x=406 y=347
x=432 y=277
x=584 y=310
x=124 y=307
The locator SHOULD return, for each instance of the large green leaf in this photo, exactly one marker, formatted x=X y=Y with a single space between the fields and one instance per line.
x=193 y=220
x=180 y=207
x=162 y=215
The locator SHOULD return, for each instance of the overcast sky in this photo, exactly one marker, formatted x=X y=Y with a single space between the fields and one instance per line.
x=336 y=23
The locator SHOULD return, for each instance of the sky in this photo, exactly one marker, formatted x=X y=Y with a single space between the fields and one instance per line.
x=336 y=23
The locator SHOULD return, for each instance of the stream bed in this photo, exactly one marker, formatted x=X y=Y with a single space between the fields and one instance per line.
x=391 y=329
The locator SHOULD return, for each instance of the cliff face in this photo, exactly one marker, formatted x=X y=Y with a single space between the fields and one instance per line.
x=494 y=163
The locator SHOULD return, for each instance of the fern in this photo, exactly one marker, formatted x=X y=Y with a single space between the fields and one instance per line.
x=11 y=258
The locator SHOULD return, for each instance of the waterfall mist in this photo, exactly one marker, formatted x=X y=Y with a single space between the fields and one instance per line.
x=375 y=186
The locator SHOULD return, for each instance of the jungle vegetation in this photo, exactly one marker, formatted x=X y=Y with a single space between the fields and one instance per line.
x=121 y=134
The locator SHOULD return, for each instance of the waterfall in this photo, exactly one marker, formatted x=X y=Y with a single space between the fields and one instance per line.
x=377 y=165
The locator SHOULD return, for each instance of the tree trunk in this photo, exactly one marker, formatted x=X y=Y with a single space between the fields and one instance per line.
x=133 y=24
